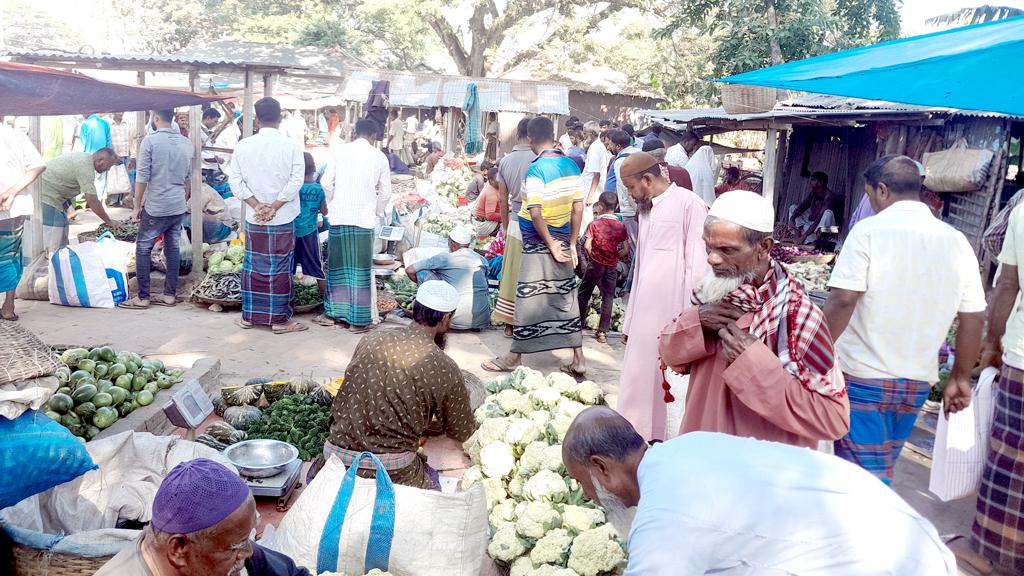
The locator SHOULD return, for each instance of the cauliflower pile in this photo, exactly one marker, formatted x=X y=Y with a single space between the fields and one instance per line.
x=541 y=523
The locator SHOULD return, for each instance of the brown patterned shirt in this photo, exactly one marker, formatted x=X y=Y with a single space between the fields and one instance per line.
x=397 y=380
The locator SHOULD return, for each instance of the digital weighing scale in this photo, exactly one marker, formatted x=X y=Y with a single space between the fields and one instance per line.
x=280 y=486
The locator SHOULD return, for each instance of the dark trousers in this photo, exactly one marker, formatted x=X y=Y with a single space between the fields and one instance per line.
x=602 y=277
x=150 y=228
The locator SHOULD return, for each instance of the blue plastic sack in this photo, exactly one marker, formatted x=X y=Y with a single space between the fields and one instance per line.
x=37 y=454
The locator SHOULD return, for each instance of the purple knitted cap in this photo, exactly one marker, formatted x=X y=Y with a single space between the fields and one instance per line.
x=195 y=495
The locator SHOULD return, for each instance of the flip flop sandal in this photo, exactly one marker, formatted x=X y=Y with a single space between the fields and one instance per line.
x=324 y=320
x=601 y=337
x=243 y=324
x=360 y=329
x=162 y=302
x=568 y=369
x=291 y=328
x=497 y=365
x=11 y=318
x=133 y=304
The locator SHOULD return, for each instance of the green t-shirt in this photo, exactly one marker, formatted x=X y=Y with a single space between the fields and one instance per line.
x=67 y=176
x=311 y=195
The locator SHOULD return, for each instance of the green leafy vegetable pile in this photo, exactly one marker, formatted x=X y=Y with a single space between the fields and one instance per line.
x=297 y=420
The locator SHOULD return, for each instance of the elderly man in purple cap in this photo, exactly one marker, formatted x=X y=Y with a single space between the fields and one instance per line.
x=203 y=521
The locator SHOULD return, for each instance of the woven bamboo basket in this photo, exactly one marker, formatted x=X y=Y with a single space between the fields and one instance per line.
x=23 y=355
x=35 y=562
x=740 y=99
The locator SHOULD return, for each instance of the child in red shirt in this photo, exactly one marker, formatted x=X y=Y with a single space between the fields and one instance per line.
x=604 y=243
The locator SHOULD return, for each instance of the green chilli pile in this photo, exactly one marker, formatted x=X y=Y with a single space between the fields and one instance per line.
x=541 y=522
x=99 y=386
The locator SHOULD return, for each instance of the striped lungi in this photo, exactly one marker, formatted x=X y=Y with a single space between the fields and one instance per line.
x=391 y=460
x=505 y=307
x=547 y=311
x=999 y=522
x=882 y=416
x=350 y=275
x=55 y=228
x=267 y=274
x=11 y=230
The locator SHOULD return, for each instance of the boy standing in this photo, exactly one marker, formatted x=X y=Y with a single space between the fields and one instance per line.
x=307 y=241
x=604 y=243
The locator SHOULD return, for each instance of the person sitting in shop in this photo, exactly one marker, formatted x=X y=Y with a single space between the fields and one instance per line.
x=203 y=519
x=398 y=380
x=821 y=209
x=464 y=269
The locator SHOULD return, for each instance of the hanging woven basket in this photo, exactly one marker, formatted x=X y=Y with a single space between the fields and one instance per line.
x=741 y=99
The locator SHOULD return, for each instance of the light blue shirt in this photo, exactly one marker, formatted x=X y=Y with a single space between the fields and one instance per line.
x=467 y=272
x=718 y=504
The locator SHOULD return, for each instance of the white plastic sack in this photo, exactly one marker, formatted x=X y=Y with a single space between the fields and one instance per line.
x=115 y=261
x=958 y=169
x=117 y=181
x=436 y=534
x=961 y=444
x=35 y=281
x=78 y=277
x=17 y=397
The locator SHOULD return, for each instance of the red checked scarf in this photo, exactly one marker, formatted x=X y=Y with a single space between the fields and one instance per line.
x=802 y=343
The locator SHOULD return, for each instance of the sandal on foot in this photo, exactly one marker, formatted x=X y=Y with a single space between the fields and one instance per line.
x=601 y=336
x=243 y=324
x=161 y=302
x=290 y=328
x=497 y=365
x=508 y=331
x=568 y=369
x=135 y=303
x=353 y=329
x=324 y=320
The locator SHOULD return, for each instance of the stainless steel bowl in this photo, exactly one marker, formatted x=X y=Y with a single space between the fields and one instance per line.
x=261 y=458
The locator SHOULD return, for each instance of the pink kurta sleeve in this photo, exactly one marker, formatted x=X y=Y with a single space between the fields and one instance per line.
x=683 y=342
x=695 y=256
x=759 y=380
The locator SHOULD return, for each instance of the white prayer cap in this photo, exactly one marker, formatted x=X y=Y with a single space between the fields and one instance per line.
x=920 y=169
x=438 y=295
x=747 y=209
x=461 y=235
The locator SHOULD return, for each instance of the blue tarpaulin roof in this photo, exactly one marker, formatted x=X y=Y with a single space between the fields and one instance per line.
x=973 y=68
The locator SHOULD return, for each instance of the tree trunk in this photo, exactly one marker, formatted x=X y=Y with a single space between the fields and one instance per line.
x=773 y=27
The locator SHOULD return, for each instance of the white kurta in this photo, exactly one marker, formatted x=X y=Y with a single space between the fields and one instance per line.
x=701 y=167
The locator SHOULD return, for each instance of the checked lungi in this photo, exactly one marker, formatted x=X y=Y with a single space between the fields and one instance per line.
x=882 y=416
x=505 y=307
x=999 y=522
x=349 y=275
x=547 y=315
x=267 y=274
x=55 y=227
x=11 y=266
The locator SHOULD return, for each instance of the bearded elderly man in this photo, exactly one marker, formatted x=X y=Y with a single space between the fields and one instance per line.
x=717 y=504
x=758 y=351
x=670 y=262
x=203 y=520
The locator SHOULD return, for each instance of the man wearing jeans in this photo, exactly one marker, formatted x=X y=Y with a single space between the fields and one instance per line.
x=161 y=189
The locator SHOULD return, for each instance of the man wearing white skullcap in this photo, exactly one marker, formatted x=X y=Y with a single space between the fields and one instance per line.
x=758 y=352
x=464 y=269
x=398 y=380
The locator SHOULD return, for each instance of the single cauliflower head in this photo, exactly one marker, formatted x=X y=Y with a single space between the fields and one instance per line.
x=472 y=447
x=581 y=518
x=489 y=409
x=552 y=570
x=506 y=545
x=545 y=398
x=515 y=486
x=541 y=417
x=496 y=459
x=565 y=384
x=521 y=567
x=471 y=476
x=539 y=456
x=495 y=492
x=503 y=513
x=513 y=402
x=593 y=552
x=589 y=393
x=552 y=548
x=557 y=428
x=569 y=408
x=536 y=519
x=522 y=431
x=546 y=486
x=532 y=380
x=492 y=430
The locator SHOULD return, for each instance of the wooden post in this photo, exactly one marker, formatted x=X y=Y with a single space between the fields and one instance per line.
x=140 y=123
x=35 y=133
x=247 y=113
x=196 y=135
x=268 y=85
x=771 y=158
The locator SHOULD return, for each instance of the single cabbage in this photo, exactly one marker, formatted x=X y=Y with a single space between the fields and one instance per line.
x=235 y=253
x=546 y=486
x=215 y=259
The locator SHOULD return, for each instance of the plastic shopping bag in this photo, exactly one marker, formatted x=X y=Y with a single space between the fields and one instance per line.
x=115 y=262
x=961 y=444
x=78 y=277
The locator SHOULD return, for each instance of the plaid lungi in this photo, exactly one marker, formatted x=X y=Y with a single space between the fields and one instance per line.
x=882 y=416
x=999 y=522
x=349 y=275
x=547 y=310
x=391 y=460
x=267 y=274
x=11 y=266
x=55 y=228
x=505 y=307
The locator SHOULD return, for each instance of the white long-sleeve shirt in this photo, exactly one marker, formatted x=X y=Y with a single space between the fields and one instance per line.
x=676 y=156
x=357 y=184
x=701 y=167
x=269 y=167
x=718 y=504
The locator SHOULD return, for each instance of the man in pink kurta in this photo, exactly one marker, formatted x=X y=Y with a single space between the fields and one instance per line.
x=670 y=263
x=758 y=351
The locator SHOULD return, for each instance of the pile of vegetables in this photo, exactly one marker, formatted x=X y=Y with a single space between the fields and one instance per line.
x=403 y=289
x=541 y=522
x=813 y=276
x=227 y=262
x=220 y=287
x=784 y=253
x=442 y=224
x=126 y=230
x=594 y=314
x=298 y=420
x=306 y=291
x=98 y=386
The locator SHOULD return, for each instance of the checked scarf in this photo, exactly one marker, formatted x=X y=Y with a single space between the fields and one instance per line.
x=802 y=342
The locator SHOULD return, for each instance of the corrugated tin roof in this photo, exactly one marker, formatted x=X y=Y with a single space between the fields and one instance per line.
x=325 y=61
x=50 y=56
x=411 y=89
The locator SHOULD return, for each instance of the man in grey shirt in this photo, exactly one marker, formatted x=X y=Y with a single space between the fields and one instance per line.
x=161 y=189
x=511 y=173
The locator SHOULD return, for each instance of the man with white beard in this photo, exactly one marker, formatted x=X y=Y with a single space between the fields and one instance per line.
x=758 y=352
x=708 y=503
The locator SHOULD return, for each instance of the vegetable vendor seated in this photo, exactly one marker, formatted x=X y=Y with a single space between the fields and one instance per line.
x=467 y=272
x=397 y=381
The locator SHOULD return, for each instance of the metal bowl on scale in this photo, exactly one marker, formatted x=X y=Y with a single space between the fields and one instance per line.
x=261 y=458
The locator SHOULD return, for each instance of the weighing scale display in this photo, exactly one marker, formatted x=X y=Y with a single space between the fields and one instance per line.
x=391 y=233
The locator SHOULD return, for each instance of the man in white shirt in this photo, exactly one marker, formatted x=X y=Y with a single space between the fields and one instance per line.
x=709 y=503
x=267 y=171
x=700 y=164
x=901 y=280
x=20 y=165
x=676 y=155
x=396 y=136
x=594 y=169
x=295 y=127
x=357 y=183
